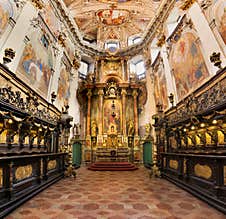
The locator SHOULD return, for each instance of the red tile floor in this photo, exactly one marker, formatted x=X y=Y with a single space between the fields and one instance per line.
x=114 y=195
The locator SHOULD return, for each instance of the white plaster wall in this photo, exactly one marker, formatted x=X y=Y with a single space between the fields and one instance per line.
x=150 y=106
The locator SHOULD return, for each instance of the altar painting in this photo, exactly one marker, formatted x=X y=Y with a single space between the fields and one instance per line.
x=6 y=11
x=112 y=67
x=63 y=92
x=109 y=120
x=188 y=65
x=35 y=64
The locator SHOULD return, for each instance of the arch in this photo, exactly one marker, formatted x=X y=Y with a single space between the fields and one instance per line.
x=109 y=77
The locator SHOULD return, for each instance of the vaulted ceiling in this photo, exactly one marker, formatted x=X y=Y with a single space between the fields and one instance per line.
x=103 y=20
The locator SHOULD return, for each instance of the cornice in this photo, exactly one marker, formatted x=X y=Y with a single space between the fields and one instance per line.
x=155 y=24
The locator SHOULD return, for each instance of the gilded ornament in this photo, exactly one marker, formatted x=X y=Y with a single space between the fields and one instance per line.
x=203 y=171
x=173 y=164
x=187 y=4
x=23 y=172
x=38 y=4
x=52 y=165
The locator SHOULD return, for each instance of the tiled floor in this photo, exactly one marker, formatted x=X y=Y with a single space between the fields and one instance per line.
x=114 y=195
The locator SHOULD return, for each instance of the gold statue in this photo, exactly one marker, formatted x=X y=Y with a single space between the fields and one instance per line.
x=130 y=128
x=93 y=129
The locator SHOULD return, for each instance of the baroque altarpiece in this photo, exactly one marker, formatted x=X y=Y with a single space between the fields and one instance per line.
x=110 y=100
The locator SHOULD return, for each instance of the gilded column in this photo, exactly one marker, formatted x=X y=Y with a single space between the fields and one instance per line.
x=89 y=95
x=135 y=94
x=124 y=111
x=101 y=100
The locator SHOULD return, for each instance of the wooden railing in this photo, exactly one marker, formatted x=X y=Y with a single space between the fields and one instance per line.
x=201 y=175
x=21 y=177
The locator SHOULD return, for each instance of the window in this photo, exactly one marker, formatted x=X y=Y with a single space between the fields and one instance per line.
x=83 y=69
x=133 y=40
x=45 y=41
x=138 y=68
x=112 y=46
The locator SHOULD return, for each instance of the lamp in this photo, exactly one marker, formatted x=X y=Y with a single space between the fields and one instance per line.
x=171 y=99
x=53 y=97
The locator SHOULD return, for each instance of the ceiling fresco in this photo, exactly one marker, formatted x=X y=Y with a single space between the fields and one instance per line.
x=105 y=20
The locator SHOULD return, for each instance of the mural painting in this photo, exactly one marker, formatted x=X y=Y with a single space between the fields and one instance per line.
x=6 y=11
x=50 y=18
x=112 y=17
x=160 y=89
x=187 y=62
x=220 y=16
x=110 y=120
x=63 y=92
x=36 y=63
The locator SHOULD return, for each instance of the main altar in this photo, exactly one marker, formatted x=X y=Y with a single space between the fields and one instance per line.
x=110 y=98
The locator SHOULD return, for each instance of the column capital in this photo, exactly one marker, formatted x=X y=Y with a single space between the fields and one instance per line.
x=89 y=93
x=100 y=92
x=123 y=92
x=135 y=93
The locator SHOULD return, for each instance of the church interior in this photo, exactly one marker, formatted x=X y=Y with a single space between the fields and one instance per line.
x=112 y=109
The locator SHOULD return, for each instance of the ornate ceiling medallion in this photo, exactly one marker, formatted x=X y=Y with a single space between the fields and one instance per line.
x=112 y=17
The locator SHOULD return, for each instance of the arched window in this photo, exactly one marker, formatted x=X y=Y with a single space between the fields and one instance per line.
x=112 y=46
x=138 y=67
x=133 y=40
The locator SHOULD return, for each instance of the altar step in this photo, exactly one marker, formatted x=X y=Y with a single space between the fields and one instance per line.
x=112 y=166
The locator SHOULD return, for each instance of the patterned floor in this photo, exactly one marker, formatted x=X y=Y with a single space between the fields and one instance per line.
x=114 y=195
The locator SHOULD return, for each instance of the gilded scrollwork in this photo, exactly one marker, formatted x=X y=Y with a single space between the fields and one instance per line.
x=52 y=164
x=173 y=164
x=23 y=172
x=203 y=171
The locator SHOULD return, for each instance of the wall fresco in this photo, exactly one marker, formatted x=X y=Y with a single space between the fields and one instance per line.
x=160 y=88
x=6 y=11
x=63 y=92
x=187 y=63
x=50 y=18
x=36 y=63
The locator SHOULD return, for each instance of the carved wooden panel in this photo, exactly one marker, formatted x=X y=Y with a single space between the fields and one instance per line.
x=173 y=164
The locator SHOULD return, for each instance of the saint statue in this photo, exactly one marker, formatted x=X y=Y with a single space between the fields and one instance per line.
x=148 y=129
x=130 y=128
x=93 y=129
